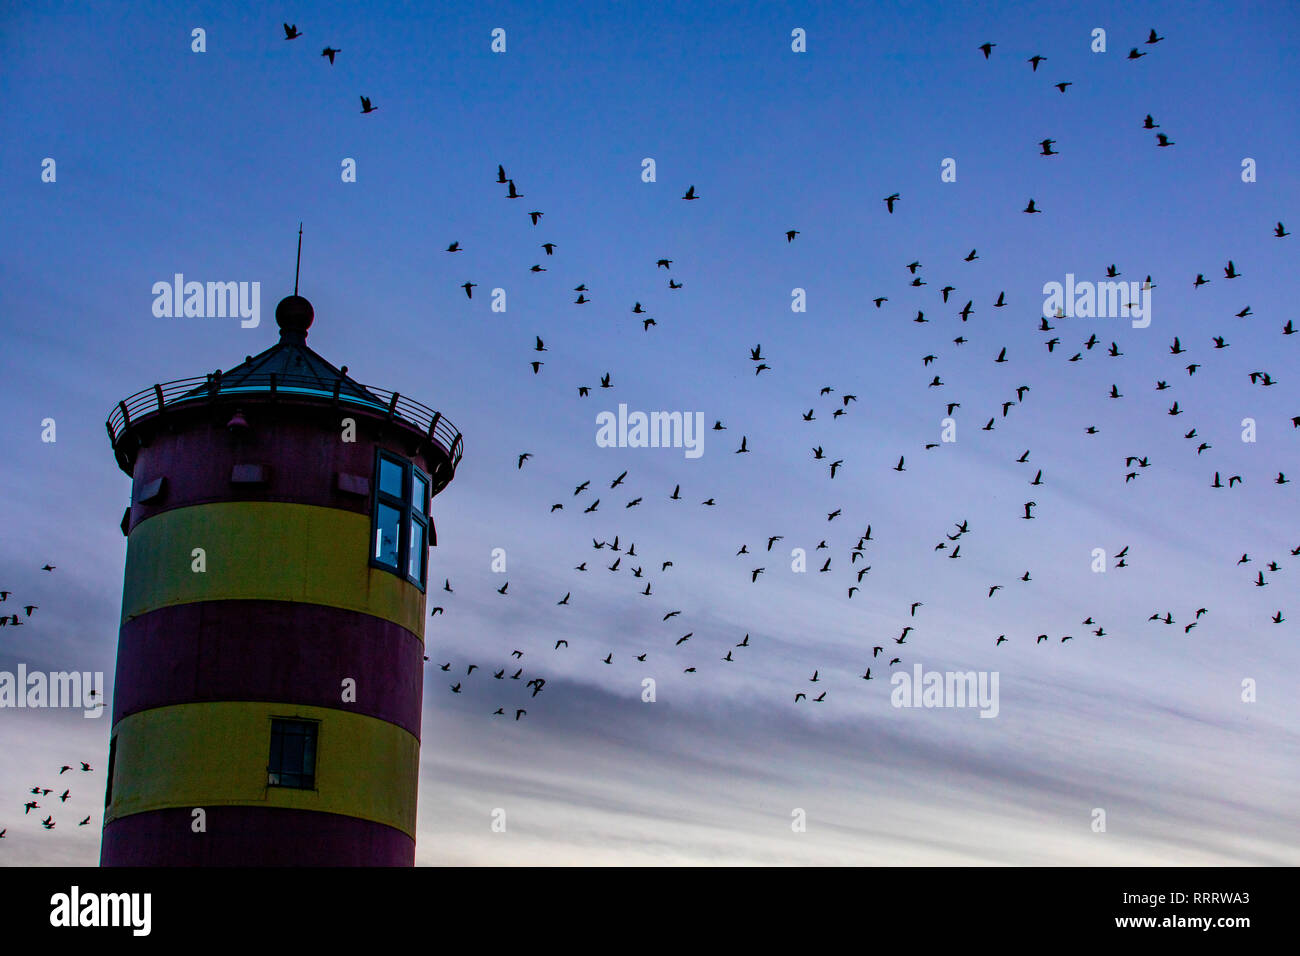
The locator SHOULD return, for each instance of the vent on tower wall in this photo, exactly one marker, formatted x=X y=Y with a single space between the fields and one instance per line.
x=354 y=484
x=151 y=490
x=249 y=475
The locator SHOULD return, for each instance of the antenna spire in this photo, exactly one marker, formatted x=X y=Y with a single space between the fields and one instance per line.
x=298 y=266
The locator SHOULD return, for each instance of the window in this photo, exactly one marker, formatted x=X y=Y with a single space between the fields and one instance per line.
x=388 y=525
x=400 y=535
x=112 y=765
x=293 y=754
x=391 y=476
x=416 y=553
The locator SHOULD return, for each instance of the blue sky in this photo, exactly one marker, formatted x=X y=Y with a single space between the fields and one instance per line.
x=173 y=161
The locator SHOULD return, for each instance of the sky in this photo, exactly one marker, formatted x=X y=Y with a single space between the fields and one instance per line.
x=204 y=163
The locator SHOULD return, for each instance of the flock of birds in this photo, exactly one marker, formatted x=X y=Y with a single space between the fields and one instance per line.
x=291 y=32
x=851 y=557
x=38 y=793
x=644 y=569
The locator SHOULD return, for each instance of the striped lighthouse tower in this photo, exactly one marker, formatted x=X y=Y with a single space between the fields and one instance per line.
x=269 y=680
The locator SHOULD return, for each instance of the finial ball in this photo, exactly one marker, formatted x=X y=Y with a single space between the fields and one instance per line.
x=294 y=314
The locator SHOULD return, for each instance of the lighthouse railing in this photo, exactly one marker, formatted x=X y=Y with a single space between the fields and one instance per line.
x=153 y=400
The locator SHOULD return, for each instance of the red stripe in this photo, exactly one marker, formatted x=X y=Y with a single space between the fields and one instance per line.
x=252 y=836
x=269 y=651
x=303 y=459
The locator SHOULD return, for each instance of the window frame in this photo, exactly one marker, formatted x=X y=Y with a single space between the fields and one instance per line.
x=315 y=753
x=112 y=769
x=409 y=515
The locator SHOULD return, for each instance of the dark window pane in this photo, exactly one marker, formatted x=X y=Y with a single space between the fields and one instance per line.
x=291 y=760
x=390 y=477
x=388 y=523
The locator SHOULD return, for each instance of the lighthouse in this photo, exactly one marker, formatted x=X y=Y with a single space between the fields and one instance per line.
x=269 y=682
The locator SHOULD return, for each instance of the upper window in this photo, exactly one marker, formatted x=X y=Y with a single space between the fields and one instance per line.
x=400 y=526
x=391 y=476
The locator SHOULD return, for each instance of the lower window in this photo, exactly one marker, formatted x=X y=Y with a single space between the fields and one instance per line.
x=293 y=754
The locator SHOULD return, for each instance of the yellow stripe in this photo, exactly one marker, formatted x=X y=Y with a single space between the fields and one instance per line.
x=270 y=551
x=216 y=754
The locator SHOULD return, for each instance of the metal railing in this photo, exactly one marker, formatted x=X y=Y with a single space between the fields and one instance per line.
x=391 y=405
